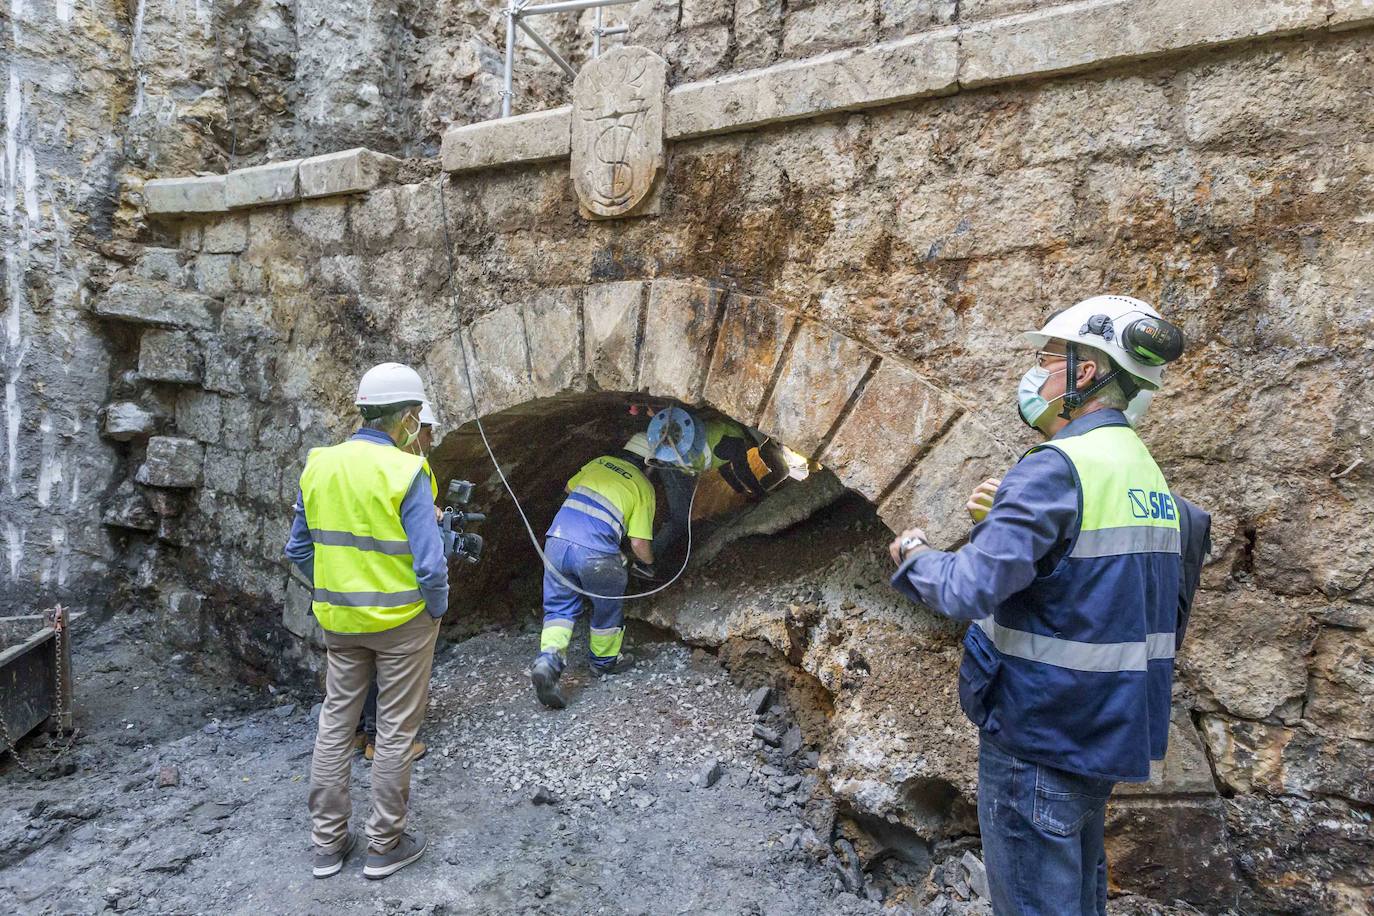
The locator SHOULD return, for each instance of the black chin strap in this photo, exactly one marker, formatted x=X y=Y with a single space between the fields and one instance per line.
x=1074 y=399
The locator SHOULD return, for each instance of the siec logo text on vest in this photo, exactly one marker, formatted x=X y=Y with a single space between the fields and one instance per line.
x=1152 y=504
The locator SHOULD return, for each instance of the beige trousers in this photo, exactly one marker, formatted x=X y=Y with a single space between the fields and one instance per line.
x=402 y=658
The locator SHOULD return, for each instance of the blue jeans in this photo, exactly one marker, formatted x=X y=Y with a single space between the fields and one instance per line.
x=592 y=571
x=1042 y=836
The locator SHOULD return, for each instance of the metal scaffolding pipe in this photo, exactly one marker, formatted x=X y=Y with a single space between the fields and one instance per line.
x=544 y=46
x=508 y=78
x=569 y=6
x=616 y=30
x=596 y=34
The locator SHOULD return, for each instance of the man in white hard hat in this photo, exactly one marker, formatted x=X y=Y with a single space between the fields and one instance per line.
x=366 y=536
x=367 y=733
x=1072 y=577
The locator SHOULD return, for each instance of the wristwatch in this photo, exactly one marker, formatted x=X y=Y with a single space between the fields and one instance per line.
x=910 y=544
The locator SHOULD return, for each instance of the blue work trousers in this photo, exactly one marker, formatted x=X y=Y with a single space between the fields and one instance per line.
x=1042 y=836
x=678 y=487
x=592 y=571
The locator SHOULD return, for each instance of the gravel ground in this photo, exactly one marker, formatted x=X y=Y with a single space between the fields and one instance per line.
x=189 y=796
x=667 y=790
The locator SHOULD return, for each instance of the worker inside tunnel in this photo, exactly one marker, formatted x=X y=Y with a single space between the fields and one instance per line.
x=694 y=509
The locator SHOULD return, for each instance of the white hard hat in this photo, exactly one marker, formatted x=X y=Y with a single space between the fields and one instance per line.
x=427 y=414
x=388 y=384
x=1106 y=323
x=638 y=445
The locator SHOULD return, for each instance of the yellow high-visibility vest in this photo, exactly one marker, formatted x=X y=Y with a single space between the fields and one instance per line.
x=364 y=572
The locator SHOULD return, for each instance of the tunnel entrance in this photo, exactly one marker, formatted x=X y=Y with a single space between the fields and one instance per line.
x=541 y=445
x=789 y=595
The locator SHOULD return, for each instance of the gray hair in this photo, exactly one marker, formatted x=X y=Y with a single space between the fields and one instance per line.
x=1112 y=394
x=384 y=418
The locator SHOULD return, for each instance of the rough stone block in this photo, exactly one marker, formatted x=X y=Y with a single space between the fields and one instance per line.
x=444 y=380
x=922 y=65
x=182 y=196
x=1349 y=14
x=901 y=411
x=273 y=183
x=161 y=265
x=611 y=329
x=128 y=508
x=678 y=332
x=533 y=137
x=155 y=304
x=226 y=235
x=173 y=462
x=758 y=30
x=321 y=221
x=198 y=415
x=825 y=25
x=125 y=420
x=553 y=334
x=1172 y=849
x=821 y=373
x=216 y=275
x=1077 y=36
x=1184 y=769
x=168 y=356
x=903 y=17
x=224 y=471
x=347 y=172
x=181 y=620
x=498 y=338
x=934 y=496
x=752 y=336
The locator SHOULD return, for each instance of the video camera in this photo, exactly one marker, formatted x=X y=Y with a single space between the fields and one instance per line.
x=459 y=543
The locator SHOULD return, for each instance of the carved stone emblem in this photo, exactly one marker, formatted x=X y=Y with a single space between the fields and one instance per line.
x=617 y=130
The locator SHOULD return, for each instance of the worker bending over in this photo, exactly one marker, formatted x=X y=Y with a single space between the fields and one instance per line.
x=609 y=500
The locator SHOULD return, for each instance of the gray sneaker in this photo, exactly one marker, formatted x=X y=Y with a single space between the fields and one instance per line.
x=408 y=848
x=328 y=864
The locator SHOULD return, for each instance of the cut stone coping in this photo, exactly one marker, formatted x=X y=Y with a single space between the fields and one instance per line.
x=1072 y=37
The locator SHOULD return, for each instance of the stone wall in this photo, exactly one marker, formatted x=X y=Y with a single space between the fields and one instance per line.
x=904 y=246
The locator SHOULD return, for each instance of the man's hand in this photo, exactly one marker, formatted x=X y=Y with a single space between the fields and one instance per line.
x=980 y=500
x=912 y=540
x=438 y=514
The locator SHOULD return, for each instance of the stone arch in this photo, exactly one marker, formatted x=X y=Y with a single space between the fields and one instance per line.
x=907 y=446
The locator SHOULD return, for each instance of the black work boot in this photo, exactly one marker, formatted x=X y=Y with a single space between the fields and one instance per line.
x=623 y=662
x=544 y=674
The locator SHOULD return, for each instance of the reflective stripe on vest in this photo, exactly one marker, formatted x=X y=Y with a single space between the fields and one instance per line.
x=1080 y=656
x=589 y=502
x=364 y=571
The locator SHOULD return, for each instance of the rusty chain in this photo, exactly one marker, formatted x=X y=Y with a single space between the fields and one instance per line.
x=58 y=621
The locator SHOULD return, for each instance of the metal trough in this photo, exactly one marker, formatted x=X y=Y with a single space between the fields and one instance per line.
x=35 y=658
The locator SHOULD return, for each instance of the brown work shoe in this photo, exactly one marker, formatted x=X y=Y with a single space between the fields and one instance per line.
x=417 y=750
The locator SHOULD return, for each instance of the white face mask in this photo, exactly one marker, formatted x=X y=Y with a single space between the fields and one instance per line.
x=410 y=436
x=1029 y=403
x=1137 y=407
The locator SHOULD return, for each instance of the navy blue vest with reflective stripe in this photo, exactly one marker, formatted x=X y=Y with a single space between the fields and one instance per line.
x=1076 y=670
